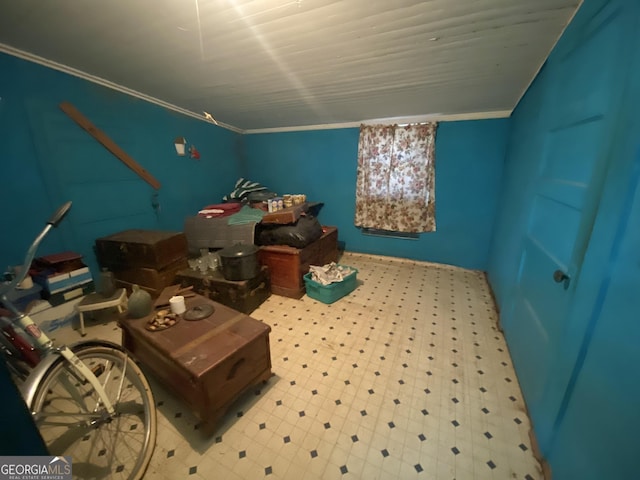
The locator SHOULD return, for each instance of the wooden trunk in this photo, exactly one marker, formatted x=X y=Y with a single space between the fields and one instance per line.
x=244 y=296
x=141 y=248
x=207 y=363
x=150 y=279
x=288 y=265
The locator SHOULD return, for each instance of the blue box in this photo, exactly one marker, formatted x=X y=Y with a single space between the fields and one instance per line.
x=60 y=282
x=60 y=272
x=332 y=292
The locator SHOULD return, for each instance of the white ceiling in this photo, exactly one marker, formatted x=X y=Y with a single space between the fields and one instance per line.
x=264 y=64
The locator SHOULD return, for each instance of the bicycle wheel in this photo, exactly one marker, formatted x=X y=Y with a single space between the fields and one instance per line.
x=73 y=422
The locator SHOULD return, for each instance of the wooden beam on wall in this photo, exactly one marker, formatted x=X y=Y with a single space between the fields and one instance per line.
x=108 y=143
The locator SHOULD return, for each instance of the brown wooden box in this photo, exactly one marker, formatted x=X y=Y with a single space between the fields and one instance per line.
x=150 y=279
x=244 y=296
x=285 y=216
x=207 y=363
x=292 y=214
x=288 y=265
x=141 y=248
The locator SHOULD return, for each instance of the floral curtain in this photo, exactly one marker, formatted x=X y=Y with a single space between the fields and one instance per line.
x=395 y=187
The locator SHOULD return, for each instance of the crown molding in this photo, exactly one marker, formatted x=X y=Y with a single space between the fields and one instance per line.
x=108 y=84
x=436 y=117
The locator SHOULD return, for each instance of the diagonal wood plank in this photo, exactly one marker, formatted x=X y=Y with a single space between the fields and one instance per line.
x=108 y=143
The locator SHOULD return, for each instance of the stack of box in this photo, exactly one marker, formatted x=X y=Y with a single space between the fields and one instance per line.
x=62 y=276
x=288 y=265
x=147 y=258
x=214 y=233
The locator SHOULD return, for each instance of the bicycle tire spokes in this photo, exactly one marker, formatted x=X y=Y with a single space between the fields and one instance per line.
x=123 y=376
x=119 y=444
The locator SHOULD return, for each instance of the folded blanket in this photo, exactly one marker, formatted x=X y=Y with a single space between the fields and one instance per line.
x=246 y=215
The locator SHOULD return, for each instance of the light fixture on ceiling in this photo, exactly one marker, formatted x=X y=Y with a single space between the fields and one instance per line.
x=181 y=145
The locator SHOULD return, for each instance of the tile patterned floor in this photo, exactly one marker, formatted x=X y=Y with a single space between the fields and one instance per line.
x=407 y=377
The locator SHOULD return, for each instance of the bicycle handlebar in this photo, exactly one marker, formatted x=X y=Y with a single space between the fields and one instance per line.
x=22 y=272
x=57 y=217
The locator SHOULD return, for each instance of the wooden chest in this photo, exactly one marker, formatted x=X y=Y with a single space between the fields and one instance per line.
x=141 y=248
x=288 y=265
x=149 y=279
x=207 y=363
x=244 y=296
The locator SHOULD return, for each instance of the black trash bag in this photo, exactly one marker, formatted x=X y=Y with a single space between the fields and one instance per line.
x=298 y=235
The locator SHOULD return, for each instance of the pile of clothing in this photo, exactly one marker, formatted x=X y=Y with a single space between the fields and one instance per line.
x=245 y=190
x=329 y=273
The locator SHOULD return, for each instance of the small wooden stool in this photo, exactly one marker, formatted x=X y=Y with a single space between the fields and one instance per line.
x=96 y=301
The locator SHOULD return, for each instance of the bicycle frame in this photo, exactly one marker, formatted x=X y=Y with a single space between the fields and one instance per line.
x=29 y=387
x=46 y=345
x=42 y=341
x=14 y=342
x=66 y=388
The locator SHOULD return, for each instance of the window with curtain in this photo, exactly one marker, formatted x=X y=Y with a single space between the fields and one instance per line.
x=395 y=187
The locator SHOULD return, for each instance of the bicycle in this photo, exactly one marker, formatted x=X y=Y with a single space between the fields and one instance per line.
x=89 y=400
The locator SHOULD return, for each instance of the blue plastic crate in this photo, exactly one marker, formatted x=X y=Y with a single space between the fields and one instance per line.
x=332 y=292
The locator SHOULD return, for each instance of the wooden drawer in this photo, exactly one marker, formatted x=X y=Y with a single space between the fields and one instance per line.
x=207 y=363
x=288 y=265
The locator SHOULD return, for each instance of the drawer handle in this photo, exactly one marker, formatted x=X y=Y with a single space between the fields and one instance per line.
x=260 y=287
x=234 y=369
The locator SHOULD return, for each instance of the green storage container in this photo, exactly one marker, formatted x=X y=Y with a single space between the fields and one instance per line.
x=332 y=292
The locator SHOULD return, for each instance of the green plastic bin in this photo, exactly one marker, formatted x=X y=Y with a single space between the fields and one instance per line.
x=332 y=292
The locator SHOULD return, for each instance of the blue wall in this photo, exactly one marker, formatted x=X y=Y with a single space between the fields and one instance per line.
x=322 y=164
x=587 y=419
x=46 y=158
x=39 y=143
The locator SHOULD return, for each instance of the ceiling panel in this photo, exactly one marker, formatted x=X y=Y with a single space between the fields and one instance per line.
x=261 y=64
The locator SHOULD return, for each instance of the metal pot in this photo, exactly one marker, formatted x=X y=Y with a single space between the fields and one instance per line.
x=239 y=262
